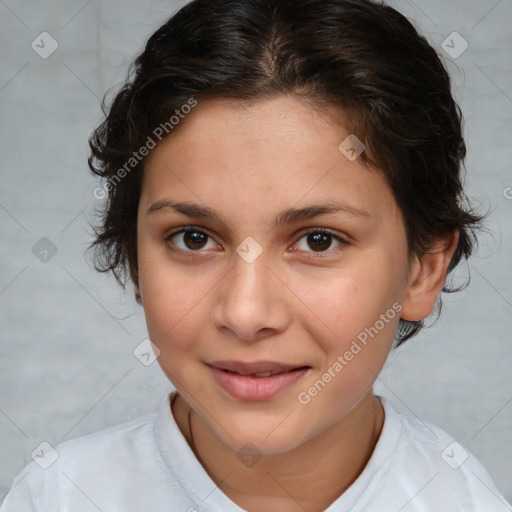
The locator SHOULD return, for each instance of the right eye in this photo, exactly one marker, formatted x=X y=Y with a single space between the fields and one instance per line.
x=192 y=239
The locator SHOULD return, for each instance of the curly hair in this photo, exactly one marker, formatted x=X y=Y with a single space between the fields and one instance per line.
x=358 y=56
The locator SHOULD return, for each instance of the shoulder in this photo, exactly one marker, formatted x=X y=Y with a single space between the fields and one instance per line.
x=110 y=446
x=433 y=469
x=84 y=465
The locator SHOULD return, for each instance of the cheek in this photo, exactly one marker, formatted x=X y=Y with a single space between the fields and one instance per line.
x=167 y=296
x=176 y=303
x=361 y=327
x=347 y=303
x=354 y=325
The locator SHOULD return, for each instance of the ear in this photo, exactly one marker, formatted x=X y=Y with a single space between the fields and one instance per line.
x=427 y=278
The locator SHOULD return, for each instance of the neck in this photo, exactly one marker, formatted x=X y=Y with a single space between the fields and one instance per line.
x=311 y=476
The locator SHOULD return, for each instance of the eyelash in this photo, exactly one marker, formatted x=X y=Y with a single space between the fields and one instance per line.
x=321 y=254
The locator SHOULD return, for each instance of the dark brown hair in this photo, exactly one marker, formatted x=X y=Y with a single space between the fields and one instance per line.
x=359 y=56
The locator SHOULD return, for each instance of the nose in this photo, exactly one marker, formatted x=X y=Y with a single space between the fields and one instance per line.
x=252 y=301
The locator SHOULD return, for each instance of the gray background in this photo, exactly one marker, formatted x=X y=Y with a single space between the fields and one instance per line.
x=68 y=333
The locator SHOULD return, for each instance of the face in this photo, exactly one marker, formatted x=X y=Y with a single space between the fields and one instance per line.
x=317 y=294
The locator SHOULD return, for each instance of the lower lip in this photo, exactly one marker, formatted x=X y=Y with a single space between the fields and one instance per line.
x=248 y=387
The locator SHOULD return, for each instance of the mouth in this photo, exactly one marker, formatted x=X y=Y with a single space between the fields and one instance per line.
x=256 y=381
x=264 y=374
x=257 y=369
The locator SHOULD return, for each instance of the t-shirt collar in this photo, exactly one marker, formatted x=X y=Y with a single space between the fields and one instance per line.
x=197 y=483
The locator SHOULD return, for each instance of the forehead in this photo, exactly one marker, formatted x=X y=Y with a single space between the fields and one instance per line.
x=262 y=156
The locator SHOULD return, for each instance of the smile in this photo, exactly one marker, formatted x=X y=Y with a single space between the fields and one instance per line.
x=255 y=381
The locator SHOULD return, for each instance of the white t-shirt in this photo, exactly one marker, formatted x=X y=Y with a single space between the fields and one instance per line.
x=147 y=465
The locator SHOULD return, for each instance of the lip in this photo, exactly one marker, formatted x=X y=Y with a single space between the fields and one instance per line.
x=246 y=368
x=244 y=386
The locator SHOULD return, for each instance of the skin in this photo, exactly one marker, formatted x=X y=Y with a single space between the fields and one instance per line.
x=204 y=302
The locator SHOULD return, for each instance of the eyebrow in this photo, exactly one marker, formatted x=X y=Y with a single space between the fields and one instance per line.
x=288 y=216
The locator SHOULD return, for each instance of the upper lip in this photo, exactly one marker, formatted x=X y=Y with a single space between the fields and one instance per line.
x=246 y=368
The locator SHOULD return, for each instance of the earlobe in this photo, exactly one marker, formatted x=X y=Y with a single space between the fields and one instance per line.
x=427 y=279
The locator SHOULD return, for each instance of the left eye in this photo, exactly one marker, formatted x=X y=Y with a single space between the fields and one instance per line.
x=321 y=239
x=193 y=240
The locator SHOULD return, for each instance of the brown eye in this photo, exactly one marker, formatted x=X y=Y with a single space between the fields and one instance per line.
x=194 y=239
x=191 y=239
x=320 y=240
